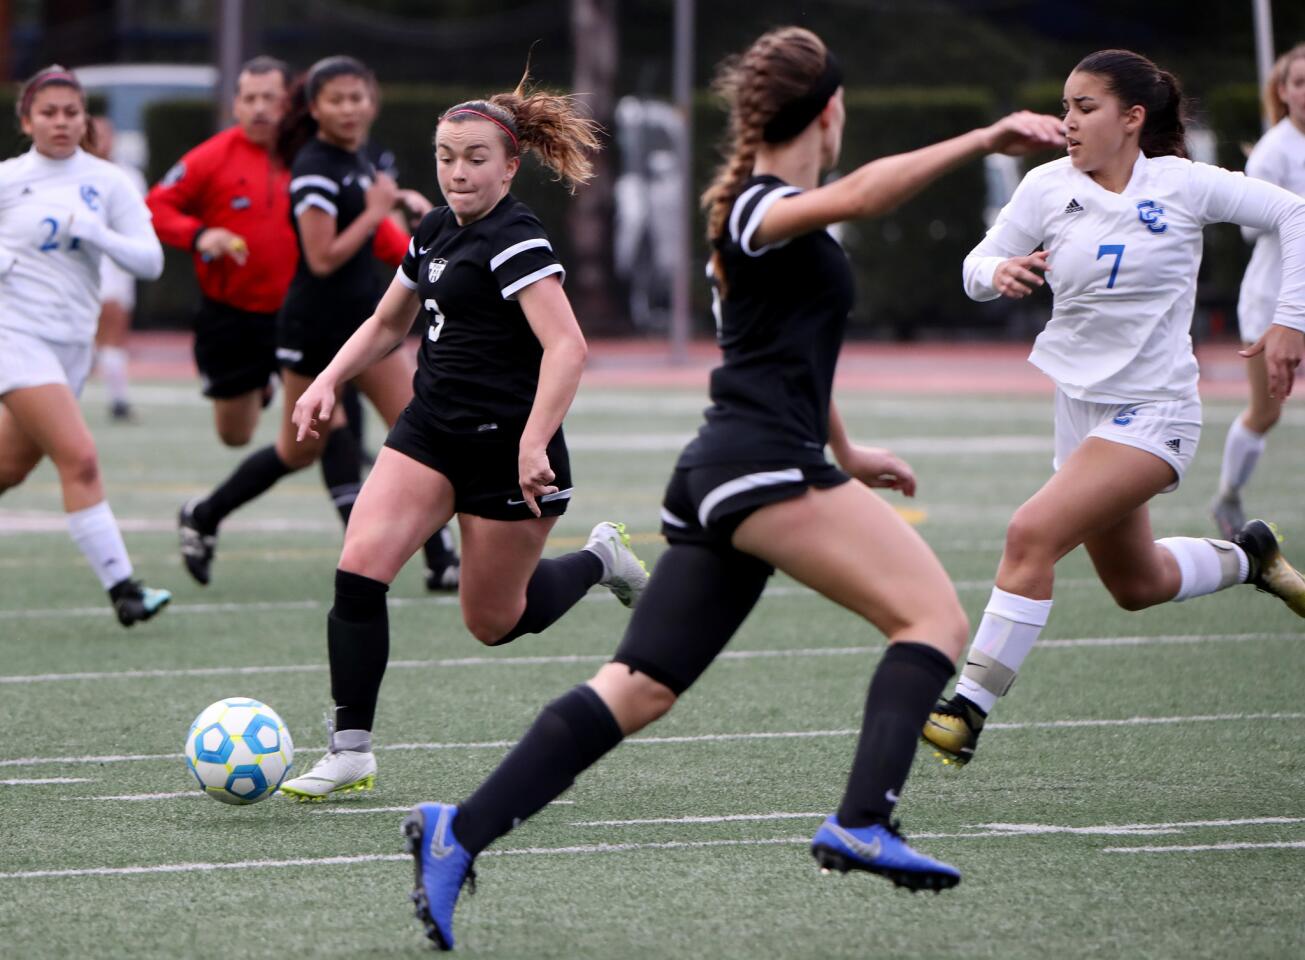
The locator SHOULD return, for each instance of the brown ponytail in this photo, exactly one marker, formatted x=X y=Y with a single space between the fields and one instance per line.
x=1136 y=81
x=779 y=67
x=552 y=126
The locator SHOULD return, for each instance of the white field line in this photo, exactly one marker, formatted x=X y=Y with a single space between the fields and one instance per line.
x=42 y=781
x=716 y=737
x=1212 y=847
x=509 y=661
x=603 y=848
x=985 y=829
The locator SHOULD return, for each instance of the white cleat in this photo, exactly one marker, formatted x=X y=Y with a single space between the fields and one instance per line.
x=338 y=771
x=623 y=572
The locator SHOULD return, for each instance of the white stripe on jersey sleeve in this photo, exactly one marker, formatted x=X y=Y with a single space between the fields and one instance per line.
x=313 y=200
x=530 y=278
x=314 y=180
x=737 y=212
x=502 y=258
x=412 y=247
x=759 y=214
x=404 y=279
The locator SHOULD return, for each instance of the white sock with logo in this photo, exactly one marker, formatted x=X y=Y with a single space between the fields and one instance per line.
x=1007 y=632
x=96 y=533
x=1206 y=565
x=1241 y=452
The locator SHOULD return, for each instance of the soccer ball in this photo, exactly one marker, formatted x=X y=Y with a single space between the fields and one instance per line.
x=239 y=750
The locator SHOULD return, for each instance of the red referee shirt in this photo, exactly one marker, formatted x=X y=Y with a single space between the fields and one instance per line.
x=229 y=181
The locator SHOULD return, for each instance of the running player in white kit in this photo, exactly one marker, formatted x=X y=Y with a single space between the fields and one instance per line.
x=62 y=211
x=1279 y=158
x=1119 y=225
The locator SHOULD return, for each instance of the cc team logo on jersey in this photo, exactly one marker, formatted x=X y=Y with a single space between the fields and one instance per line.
x=435 y=269
x=1150 y=212
x=90 y=196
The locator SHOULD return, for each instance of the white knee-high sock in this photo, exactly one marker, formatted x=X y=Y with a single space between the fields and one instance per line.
x=112 y=362
x=1206 y=565
x=1241 y=452
x=96 y=533
x=1007 y=632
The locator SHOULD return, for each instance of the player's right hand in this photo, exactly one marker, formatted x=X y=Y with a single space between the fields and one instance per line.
x=1015 y=278
x=313 y=407
x=382 y=195
x=217 y=242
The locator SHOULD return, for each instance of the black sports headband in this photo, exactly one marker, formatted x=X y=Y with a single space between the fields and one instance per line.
x=794 y=116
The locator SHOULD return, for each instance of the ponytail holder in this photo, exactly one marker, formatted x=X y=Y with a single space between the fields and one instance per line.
x=794 y=116
x=485 y=116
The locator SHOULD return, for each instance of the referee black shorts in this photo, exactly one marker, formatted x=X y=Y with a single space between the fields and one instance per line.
x=482 y=469
x=705 y=504
x=235 y=350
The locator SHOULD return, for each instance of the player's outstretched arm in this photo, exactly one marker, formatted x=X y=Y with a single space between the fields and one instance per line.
x=882 y=185
x=379 y=334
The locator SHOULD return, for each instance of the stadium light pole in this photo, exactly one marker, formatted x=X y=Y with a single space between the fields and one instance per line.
x=231 y=30
x=1263 y=10
x=681 y=289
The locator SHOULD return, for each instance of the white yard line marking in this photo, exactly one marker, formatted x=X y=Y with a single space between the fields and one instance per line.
x=1205 y=847
x=42 y=781
x=318 y=808
x=716 y=737
x=509 y=661
x=985 y=832
x=1125 y=829
x=65 y=613
x=725 y=818
x=145 y=796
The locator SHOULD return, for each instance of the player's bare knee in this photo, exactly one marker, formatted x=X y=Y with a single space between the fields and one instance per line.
x=80 y=468
x=235 y=435
x=1028 y=540
x=1132 y=595
x=487 y=626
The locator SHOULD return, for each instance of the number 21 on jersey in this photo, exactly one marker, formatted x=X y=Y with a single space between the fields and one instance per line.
x=1115 y=250
x=436 y=320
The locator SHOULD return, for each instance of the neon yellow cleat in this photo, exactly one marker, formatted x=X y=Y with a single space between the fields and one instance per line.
x=1270 y=572
x=953 y=730
x=339 y=771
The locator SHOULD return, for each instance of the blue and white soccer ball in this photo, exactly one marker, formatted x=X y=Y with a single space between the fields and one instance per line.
x=239 y=750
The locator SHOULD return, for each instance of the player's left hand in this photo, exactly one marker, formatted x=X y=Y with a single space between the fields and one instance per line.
x=1283 y=349
x=877 y=467
x=1024 y=132
x=536 y=476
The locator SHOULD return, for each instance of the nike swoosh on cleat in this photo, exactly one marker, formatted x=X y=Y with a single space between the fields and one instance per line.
x=439 y=847
x=869 y=851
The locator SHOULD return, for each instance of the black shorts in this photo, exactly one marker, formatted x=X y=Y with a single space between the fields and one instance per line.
x=704 y=505
x=235 y=350
x=308 y=353
x=482 y=470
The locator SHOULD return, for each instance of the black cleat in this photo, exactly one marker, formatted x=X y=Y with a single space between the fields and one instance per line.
x=135 y=603
x=446 y=578
x=1269 y=570
x=953 y=730
x=197 y=546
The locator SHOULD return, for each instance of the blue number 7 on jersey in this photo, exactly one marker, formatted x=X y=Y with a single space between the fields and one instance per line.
x=1115 y=250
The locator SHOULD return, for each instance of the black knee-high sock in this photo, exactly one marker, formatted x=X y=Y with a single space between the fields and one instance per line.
x=256 y=474
x=567 y=738
x=353 y=412
x=358 y=641
x=554 y=588
x=904 y=688
x=439 y=550
x=342 y=471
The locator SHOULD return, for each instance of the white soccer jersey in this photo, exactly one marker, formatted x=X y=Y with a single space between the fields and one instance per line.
x=1279 y=158
x=1124 y=265
x=58 y=218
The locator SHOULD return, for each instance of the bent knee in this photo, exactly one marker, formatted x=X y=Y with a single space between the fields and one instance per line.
x=488 y=628
x=80 y=468
x=236 y=436
x=12 y=474
x=1130 y=596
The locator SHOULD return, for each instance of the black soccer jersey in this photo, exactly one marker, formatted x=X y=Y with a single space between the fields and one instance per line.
x=479 y=361
x=780 y=321
x=334 y=180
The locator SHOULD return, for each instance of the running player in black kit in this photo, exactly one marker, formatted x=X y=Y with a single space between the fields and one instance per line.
x=754 y=492
x=340 y=208
x=499 y=366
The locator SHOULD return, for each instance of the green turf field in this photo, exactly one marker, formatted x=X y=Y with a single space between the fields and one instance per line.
x=1140 y=794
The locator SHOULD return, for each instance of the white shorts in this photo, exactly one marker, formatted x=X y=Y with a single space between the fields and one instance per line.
x=28 y=361
x=1254 y=317
x=117 y=284
x=1170 y=429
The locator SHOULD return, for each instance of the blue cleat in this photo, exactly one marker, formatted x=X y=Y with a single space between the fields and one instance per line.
x=879 y=849
x=442 y=866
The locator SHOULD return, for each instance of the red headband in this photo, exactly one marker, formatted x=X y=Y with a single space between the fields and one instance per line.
x=485 y=116
x=40 y=82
